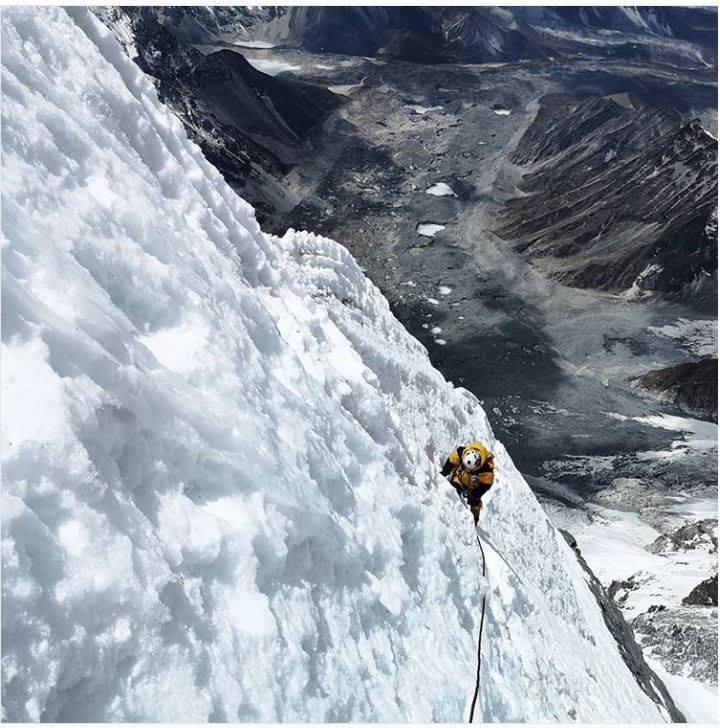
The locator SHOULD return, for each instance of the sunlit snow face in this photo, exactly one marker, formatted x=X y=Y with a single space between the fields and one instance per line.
x=471 y=459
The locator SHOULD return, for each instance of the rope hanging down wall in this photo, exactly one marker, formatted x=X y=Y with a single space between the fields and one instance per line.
x=479 y=648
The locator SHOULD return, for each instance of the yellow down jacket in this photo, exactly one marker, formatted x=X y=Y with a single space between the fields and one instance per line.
x=461 y=477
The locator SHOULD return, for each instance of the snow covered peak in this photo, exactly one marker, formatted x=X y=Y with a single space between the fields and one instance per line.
x=221 y=450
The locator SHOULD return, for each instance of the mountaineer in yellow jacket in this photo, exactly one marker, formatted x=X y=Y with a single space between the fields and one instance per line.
x=471 y=471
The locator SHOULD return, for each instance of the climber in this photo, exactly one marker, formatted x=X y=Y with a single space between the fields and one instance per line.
x=470 y=470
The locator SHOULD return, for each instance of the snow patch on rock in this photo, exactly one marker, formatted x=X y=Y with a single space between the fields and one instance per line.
x=422 y=110
x=272 y=66
x=699 y=336
x=429 y=229
x=440 y=189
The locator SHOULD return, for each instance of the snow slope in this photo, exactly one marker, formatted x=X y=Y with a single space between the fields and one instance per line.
x=698 y=703
x=220 y=452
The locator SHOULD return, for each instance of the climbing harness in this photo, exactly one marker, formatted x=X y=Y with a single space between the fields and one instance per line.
x=479 y=647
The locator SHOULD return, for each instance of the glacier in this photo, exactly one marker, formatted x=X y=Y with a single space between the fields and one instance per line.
x=220 y=453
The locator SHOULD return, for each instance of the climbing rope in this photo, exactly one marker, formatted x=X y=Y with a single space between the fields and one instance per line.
x=479 y=647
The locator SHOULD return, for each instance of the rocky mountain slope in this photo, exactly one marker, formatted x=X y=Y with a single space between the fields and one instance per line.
x=680 y=631
x=221 y=498
x=619 y=196
x=485 y=34
x=410 y=33
x=691 y=385
x=252 y=126
x=679 y=35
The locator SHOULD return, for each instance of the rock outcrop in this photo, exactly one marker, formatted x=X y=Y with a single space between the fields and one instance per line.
x=620 y=196
x=692 y=386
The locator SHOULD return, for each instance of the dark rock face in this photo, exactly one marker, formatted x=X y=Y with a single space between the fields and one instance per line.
x=250 y=125
x=206 y=24
x=569 y=538
x=618 y=196
x=490 y=34
x=352 y=31
x=552 y=32
x=407 y=33
x=482 y=34
x=619 y=591
x=695 y=25
x=692 y=386
x=704 y=594
x=697 y=535
x=277 y=109
x=623 y=634
x=684 y=638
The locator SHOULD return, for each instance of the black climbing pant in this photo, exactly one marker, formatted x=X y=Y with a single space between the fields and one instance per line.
x=474 y=496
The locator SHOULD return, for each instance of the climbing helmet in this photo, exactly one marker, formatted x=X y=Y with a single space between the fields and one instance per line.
x=471 y=459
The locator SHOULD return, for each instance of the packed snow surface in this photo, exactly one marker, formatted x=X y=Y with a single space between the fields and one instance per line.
x=698 y=336
x=422 y=110
x=429 y=229
x=694 y=434
x=220 y=452
x=615 y=545
x=440 y=189
x=697 y=434
x=347 y=89
x=254 y=44
x=272 y=66
x=699 y=703
x=637 y=292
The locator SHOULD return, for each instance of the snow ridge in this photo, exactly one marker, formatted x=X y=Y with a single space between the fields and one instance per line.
x=220 y=452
